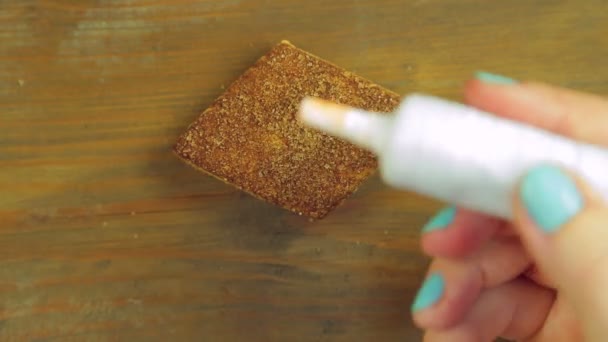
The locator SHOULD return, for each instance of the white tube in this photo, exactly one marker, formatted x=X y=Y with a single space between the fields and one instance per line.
x=463 y=156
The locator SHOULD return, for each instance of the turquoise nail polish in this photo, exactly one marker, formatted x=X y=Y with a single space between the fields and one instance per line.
x=550 y=196
x=430 y=292
x=493 y=78
x=441 y=220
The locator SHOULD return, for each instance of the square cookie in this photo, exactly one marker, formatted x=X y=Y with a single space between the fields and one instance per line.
x=250 y=137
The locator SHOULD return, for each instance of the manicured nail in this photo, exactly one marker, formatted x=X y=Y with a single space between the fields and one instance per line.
x=441 y=220
x=551 y=197
x=493 y=78
x=430 y=292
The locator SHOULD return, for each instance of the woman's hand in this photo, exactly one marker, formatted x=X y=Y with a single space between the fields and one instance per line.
x=544 y=276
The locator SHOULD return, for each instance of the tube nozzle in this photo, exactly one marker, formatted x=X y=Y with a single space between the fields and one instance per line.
x=365 y=129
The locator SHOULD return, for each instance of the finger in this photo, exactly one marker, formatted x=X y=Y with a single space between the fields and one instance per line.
x=454 y=233
x=515 y=310
x=562 y=224
x=499 y=261
x=534 y=274
x=566 y=112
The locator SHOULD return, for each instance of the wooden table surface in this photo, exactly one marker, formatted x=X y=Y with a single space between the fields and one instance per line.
x=105 y=235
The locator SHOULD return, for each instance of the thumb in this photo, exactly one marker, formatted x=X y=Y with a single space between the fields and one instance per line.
x=564 y=225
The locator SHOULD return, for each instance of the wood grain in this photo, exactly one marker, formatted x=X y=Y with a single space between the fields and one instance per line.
x=105 y=235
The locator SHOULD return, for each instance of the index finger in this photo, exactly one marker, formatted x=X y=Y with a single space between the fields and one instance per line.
x=570 y=113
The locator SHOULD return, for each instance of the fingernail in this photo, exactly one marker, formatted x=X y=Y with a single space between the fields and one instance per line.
x=441 y=220
x=550 y=196
x=493 y=78
x=430 y=292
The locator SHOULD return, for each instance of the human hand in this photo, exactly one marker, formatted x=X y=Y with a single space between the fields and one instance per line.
x=543 y=276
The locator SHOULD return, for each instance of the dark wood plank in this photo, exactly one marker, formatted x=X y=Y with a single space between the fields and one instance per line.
x=105 y=235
